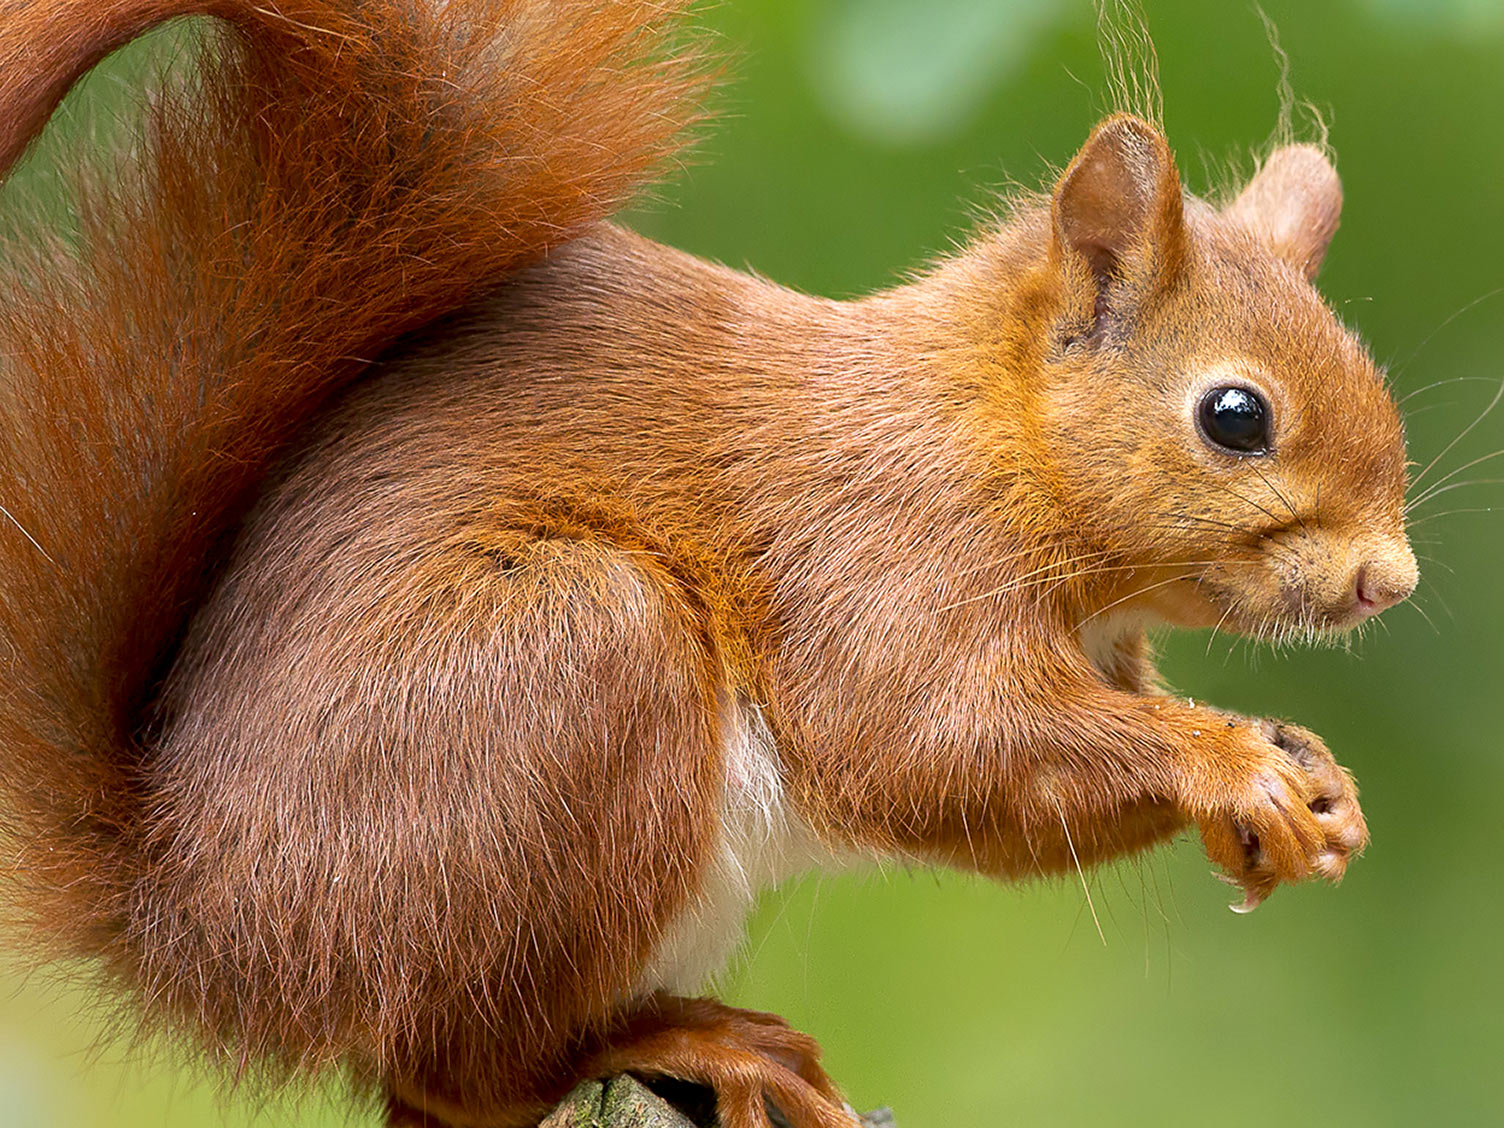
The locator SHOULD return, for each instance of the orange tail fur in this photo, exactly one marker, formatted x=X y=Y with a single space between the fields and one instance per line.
x=330 y=176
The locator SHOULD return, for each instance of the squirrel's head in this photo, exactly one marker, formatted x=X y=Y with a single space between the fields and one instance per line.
x=1206 y=417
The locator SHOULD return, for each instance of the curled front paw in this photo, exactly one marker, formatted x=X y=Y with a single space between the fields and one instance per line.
x=1291 y=814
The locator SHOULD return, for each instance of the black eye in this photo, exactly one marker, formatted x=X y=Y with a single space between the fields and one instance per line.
x=1235 y=419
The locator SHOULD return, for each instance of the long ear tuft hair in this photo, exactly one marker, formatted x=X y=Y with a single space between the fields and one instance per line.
x=1130 y=63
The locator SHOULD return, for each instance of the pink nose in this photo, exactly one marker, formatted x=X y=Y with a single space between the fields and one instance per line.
x=1379 y=584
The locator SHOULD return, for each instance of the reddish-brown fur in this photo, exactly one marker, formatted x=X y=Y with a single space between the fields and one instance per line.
x=406 y=756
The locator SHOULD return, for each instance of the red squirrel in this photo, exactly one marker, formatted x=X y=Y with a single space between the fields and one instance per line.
x=431 y=613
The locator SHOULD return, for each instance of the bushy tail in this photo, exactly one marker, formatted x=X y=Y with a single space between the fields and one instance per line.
x=328 y=175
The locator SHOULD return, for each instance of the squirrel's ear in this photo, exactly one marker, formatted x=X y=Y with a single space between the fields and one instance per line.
x=1293 y=203
x=1119 y=207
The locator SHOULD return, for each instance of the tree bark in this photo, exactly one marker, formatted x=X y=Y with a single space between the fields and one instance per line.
x=625 y=1102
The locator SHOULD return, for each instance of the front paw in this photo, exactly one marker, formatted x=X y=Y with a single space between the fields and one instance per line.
x=1287 y=812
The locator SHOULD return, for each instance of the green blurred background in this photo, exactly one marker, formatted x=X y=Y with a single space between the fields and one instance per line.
x=859 y=138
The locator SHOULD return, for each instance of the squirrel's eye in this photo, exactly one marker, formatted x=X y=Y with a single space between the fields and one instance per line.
x=1235 y=419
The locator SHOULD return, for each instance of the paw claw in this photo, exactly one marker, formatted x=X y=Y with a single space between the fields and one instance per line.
x=1332 y=865
x=1288 y=813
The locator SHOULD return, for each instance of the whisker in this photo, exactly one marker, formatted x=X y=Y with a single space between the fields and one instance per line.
x=9 y=516
x=1416 y=412
x=1018 y=580
x=1462 y=434
x=1433 y=593
x=1085 y=888
x=1232 y=648
x=1448 y=476
x=1441 y=383
x=1215 y=628
x=1474 y=304
x=1451 y=513
x=1138 y=567
x=1132 y=595
x=1437 y=561
x=993 y=562
x=1160 y=564
x=1275 y=489
x=1421 y=611
x=1039 y=577
x=1437 y=492
x=1241 y=530
x=1249 y=501
x=1062 y=581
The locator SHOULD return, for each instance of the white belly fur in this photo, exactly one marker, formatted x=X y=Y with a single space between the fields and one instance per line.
x=762 y=841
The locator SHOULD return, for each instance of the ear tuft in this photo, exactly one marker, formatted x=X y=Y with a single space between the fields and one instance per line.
x=1119 y=205
x=1293 y=203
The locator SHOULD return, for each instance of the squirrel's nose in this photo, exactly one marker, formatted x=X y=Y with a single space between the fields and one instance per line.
x=1384 y=581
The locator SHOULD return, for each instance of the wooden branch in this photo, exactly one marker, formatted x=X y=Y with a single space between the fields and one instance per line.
x=625 y=1102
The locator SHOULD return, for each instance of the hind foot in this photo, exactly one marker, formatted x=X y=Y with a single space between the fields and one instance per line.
x=752 y=1061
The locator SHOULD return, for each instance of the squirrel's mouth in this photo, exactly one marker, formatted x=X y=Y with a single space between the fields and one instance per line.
x=1276 y=612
